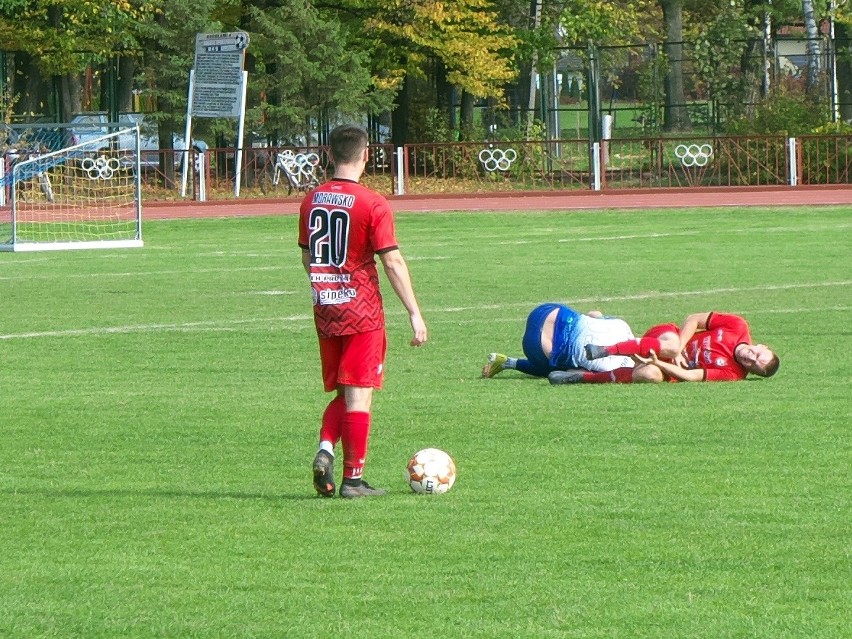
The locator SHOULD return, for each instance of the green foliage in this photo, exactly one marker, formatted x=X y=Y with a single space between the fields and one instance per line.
x=476 y=49
x=833 y=128
x=307 y=63
x=649 y=88
x=168 y=43
x=436 y=128
x=64 y=35
x=604 y=21
x=782 y=113
x=718 y=48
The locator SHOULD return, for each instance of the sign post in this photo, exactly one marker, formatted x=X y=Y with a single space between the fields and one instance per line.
x=217 y=88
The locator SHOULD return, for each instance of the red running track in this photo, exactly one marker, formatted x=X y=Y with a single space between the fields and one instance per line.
x=550 y=201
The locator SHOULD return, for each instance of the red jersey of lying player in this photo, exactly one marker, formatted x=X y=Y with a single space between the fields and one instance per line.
x=712 y=349
x=343 y=225
x=718 y=348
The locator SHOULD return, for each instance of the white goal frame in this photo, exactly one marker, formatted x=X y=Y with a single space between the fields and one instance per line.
x=86 y=196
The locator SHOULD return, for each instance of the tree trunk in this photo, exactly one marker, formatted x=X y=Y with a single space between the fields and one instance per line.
x=72 y=95
x=467 y=104
x=751 y=81
x=442 y=89
x=126 y=71
x=29 y=84
x=399 y=116
x=812 y=46
x=842 y=33
x=535 y=13
x=675 y=114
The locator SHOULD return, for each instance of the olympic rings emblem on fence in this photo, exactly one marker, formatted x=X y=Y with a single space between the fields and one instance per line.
x=497 y=159
x=299 y=168
x=101 y=169
x=693 y=154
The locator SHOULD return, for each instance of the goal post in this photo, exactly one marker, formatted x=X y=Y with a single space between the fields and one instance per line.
x=84 y=196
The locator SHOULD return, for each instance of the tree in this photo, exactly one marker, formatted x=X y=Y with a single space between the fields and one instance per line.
x=407 y=36
x=843 y=44
x=725 y=45
x=590 y=26
x=168 y=47
x=56 y=39
x=605 y=21
x=814 y=66
x=308 y=65
x=675 y=114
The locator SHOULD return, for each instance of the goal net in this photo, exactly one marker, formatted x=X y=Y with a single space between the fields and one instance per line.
x=82 y=196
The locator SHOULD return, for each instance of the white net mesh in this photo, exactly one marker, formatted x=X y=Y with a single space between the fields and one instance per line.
x=83 y=195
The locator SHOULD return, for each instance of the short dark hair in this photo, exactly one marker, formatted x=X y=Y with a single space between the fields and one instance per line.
x=347 y=141
x=771 y=367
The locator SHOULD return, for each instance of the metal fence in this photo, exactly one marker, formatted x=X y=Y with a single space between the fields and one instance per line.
x=529 y=166
x=516 y=167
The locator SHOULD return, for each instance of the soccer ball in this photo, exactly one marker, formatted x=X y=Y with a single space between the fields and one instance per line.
x=431 y=471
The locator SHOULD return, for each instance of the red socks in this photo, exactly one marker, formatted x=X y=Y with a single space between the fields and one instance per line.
x=618 y=376
x=356 y=432
x=642 y=347
x=332 y=421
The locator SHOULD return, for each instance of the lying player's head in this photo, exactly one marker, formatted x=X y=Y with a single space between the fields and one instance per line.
x=348 y=142
x=758 y=359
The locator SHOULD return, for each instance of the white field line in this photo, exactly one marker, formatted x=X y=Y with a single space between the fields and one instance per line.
x=229 y=325
x=537 y=236
x=653 y=295
x=182 y=272
x=151 y=328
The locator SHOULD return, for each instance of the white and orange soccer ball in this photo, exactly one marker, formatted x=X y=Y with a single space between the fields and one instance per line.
x=431 y=472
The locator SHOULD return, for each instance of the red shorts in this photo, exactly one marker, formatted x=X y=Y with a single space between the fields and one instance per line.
x=353 y=360
x=656 y=331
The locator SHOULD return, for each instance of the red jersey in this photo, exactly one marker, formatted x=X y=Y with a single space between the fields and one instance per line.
x=343 y=224
x=713 y=348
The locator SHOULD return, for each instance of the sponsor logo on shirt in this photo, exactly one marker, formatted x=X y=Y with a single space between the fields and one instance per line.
x=330 y=277
x=334 y=296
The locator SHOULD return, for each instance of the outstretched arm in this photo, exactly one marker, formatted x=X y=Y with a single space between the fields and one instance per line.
x=397 y=272
x=673 y=370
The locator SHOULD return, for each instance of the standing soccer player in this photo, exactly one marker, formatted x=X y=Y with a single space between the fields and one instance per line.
x=343 y=226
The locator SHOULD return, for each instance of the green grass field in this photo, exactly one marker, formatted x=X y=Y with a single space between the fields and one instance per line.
x=160 y=412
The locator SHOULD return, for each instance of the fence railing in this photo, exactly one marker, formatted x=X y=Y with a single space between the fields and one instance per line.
x=519 y=166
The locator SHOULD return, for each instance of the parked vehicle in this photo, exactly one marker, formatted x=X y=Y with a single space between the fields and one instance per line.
x=89 y=126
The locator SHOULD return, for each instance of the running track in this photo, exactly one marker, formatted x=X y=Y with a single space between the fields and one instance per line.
x=551 y=201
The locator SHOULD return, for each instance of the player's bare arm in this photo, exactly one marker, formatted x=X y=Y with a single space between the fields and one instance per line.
x=673 y=370
x=400 y=279
x=306 y=260
x=692 y=323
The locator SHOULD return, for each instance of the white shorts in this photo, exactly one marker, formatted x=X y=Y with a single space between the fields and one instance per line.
x=603 y=331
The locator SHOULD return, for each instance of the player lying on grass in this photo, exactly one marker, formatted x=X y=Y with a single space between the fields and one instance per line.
x=707 y=347
x=554 y=339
